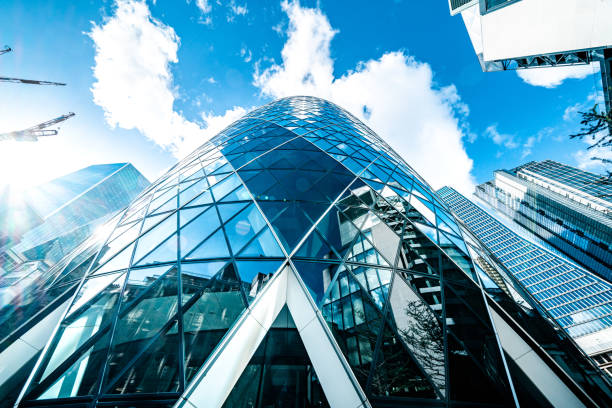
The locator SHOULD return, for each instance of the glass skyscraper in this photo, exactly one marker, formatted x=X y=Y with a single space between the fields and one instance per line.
x=45 y=238
x=568 y=208
x=72 y=206
x=579 y=301
x=296 y=260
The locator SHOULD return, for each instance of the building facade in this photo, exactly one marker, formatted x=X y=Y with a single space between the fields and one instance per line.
x=47 y=236
x=568 y=208
x=528 y=34
x=296 y=260
x=578 y=300
x=72 y=207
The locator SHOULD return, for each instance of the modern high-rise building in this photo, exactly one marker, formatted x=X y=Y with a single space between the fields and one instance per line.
x=44 y=232
x=568 y=208
x=296 y=260
x=70 y=208
x=578 y=300
x=526 y=34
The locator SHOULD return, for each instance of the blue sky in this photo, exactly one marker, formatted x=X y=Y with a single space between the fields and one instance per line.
x=149 y=81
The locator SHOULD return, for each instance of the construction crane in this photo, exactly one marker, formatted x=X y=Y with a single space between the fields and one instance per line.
x=30 y=81
x=32 y=134
x=25 y=81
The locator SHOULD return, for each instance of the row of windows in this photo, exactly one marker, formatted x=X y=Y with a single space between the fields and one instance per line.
x=558 y=286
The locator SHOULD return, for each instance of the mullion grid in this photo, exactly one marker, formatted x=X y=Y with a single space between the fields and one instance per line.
x=45 y=356
x=272 y=111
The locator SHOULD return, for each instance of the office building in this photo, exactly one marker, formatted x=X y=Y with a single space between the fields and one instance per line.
x=579 y=301
x=45 y=231
x=296 y=260
x=528 y=34
x=568 y=208
x=70 y=208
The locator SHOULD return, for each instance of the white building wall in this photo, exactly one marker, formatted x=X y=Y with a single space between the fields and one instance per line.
x=535 y=27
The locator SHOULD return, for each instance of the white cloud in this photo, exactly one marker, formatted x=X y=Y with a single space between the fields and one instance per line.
x=134 y=84
x=585 y=160
x=204 y=6
x=533 y=140
x=205 y=9
x=236 y=10
x=571 y=111
x=500 y=139
x=550 y=77
x=395 y=95
x=246 y=54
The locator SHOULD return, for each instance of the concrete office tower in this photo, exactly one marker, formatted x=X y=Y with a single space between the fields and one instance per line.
x=568 y=208
x=578 y=300
x=296 y=260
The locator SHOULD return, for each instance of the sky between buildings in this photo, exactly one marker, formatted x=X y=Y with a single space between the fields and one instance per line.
x=150 y=81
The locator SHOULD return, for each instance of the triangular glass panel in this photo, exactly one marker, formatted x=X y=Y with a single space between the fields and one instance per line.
x=338 y=230
x=151 y=220
x=315 y=247
x=79 y=379
x=139 y=280
x=471 y=382
x=264 y=245
x=355 y=322
x=155 y=236
x=146 y=366
x=167 y=251
x=223 y=188
x=280 y=373
x=187 y=195
x=215 y=246
x=243 y=227
x=239 y=194
x=91 y=288
x=122 y=236
x=214 y=306
x=78 y=328
x=195 y=275
x=161 y=197
x=120 y=261
x=288 y=232
x=420 y=330
x=255 y=274
x=227 y=211
x=317 y=276
x=188 y=214
x=167 y=206
x=468 y=320
x=204 y=198
x=428 y=230
x=428 y=289
x=198 y=230
x=138 y=325
x=395 y=373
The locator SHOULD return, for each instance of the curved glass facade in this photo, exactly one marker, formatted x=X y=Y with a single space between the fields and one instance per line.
x=298 y=185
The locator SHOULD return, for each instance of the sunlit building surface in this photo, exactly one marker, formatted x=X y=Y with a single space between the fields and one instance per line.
x=530 y=34
x=296 y=260
x=568 y=208
x=71 y=207
x=44 y=239
x=579 y=301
